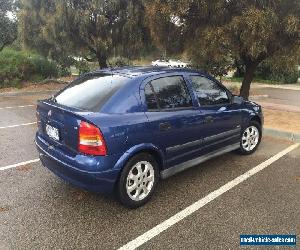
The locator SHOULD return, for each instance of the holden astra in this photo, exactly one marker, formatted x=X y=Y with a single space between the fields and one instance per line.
x=122 y=130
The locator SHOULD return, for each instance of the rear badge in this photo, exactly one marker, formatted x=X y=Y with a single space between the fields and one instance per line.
x=50 y=113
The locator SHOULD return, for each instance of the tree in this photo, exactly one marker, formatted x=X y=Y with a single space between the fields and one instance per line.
x=165 y=28
x=248 y=31
x=93 y=29
x=8 y=28
x=33 y=17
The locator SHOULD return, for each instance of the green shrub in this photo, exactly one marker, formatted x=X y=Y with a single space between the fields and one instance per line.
x=18 y=66
x=276 y=70
x=64 y=71
x=83 y=67
x=285 y=77
x=44 y=68
x=119 y=62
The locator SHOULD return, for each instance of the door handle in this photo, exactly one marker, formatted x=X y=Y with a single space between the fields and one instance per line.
x=208 y=119
x=164 y=126
x=222 y=109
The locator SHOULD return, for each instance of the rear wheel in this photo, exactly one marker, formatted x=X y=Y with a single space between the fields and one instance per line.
x=250 y=138
x=138 y=180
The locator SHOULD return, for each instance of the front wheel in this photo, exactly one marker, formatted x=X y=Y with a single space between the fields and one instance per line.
x=138 y=180
x=250 y=138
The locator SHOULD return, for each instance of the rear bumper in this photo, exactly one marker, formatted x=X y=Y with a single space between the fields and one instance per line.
x=95 y=180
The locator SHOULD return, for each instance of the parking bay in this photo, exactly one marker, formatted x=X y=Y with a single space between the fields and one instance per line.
x=38 y=210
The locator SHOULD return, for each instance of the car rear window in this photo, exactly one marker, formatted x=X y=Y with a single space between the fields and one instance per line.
x=91 y=92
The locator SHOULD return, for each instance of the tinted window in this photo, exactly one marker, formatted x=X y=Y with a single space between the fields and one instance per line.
x=209 y=92
x=150 y=98
x=170 y=92
x=91 y=92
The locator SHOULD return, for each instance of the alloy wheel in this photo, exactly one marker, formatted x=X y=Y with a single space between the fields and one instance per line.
x=140 y=180
x=250 y=138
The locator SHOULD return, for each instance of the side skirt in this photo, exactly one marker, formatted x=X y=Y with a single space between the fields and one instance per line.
x=191 y=163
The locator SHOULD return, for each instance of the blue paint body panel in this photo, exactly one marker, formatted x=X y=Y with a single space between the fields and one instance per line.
x=129 y=128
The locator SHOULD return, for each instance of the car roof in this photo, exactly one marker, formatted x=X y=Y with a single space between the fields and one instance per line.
x=135 y=71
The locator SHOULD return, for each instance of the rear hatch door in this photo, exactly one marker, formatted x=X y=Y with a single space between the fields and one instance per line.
x=58 y=125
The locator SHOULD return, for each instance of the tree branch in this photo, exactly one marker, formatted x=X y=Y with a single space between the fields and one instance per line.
x=92 y=50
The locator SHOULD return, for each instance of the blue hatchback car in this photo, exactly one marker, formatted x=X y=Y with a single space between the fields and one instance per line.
x=123 y=129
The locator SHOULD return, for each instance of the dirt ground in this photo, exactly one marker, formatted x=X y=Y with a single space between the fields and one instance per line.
x=282 y=120
x=29 y=86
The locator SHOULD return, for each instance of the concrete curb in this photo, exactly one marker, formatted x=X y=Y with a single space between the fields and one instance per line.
x=282 y=107
x=295 y=88
x=28 y=92
x=282 y=134
x=256 y=97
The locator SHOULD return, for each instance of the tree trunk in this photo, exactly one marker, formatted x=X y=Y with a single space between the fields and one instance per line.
x=239 y=70
x=248 y=77
x=102 y=60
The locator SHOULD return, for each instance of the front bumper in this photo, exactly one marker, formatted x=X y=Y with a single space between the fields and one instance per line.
x=95 y=180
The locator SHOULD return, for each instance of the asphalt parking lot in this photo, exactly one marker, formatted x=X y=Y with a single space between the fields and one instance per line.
x=40 y=211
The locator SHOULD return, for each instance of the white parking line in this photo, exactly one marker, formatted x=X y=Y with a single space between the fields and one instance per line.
x=202 y=202
x=19 y=125
x=15 y=107
x=18 y=164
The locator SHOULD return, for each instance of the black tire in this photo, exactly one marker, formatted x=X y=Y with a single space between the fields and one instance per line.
x=242 y=150
x=123 y=196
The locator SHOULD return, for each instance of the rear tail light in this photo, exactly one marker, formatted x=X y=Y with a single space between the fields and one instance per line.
x=91 y=140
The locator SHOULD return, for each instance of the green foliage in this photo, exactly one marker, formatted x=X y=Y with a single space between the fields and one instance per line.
x=14 y=67
x=44 y=68
x=281 y=69
x=216 y=35
x=247 y=31
x=119 y=62
x=17 y=66
x=281 y=73
x=93 y=29
x=63 y=71
x=165 y=27
x=285 y=77
x=83 y=67
x=8 y=26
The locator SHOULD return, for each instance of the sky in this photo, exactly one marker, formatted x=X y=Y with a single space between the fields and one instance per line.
x=10 y=15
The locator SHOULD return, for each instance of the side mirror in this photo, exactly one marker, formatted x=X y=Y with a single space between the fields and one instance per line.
x=237 y=100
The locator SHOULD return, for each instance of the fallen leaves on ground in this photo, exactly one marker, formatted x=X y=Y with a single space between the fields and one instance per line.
x=24 y=168
x=4 y=209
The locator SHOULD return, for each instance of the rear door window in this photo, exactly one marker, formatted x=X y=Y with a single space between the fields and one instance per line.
x=91 y=92
x=151 y=99
x=168 y=93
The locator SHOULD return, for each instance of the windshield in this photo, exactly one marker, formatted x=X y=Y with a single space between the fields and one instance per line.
x=91 y=92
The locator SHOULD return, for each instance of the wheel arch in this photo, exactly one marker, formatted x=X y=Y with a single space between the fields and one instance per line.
x=138 y=149
x=257 y=119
